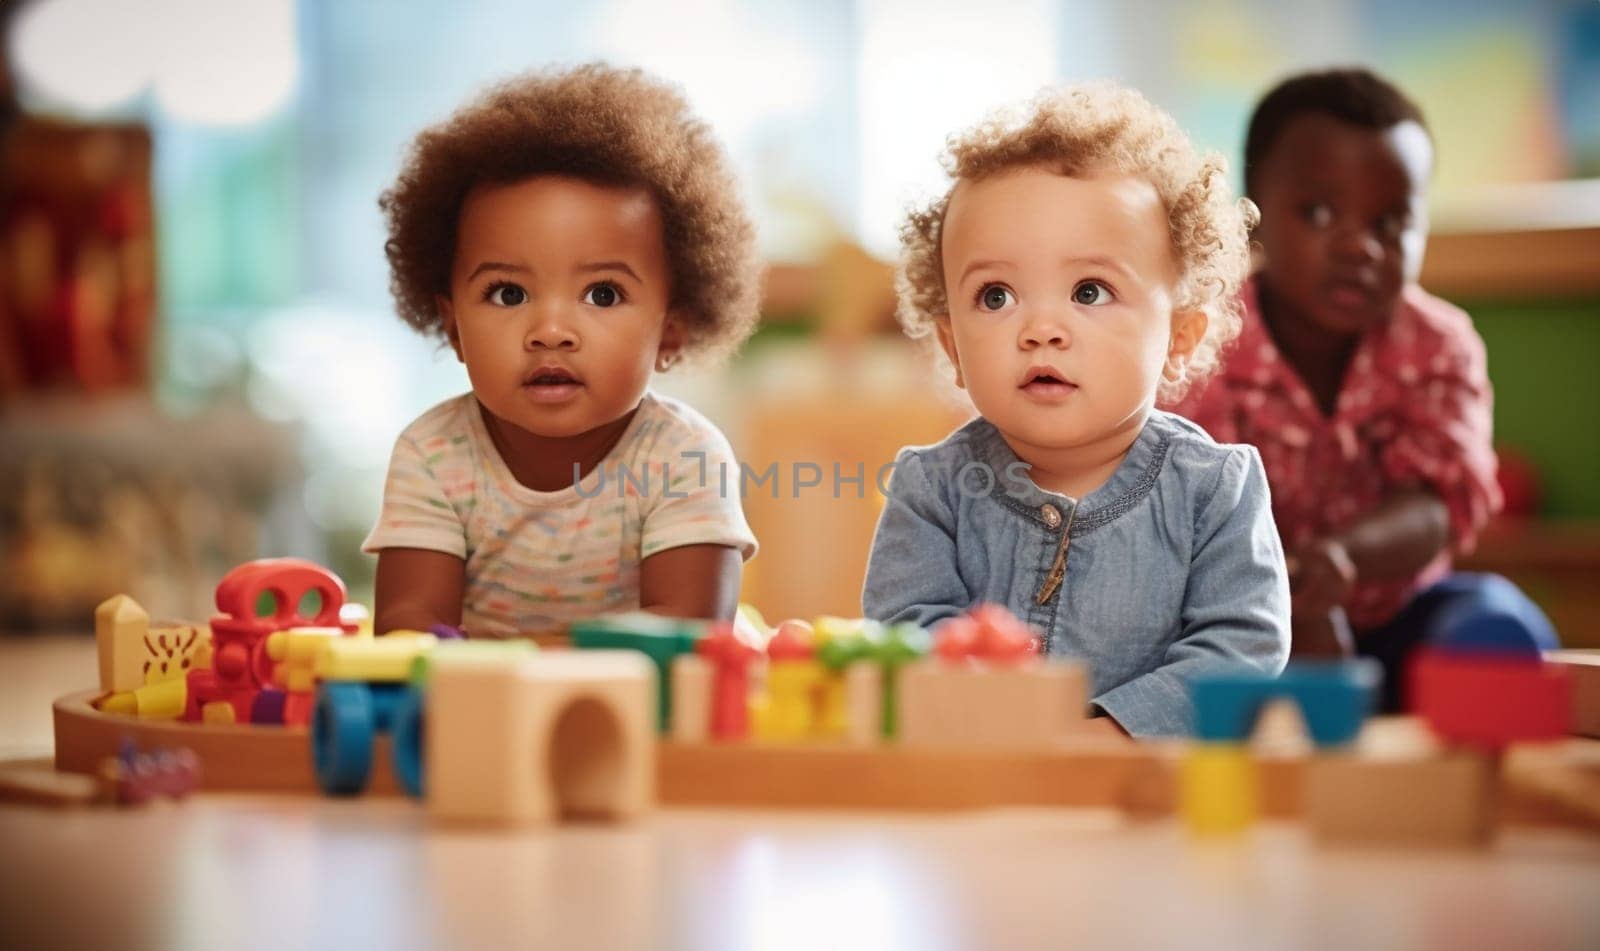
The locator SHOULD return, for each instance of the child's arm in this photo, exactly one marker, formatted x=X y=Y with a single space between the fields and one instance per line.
x=417 y=589
x=1235 y=610
x=691 y=581
x=911 y=572
x=1396 y=539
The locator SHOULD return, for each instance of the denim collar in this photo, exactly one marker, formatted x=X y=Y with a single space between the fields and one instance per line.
x=1133 y=479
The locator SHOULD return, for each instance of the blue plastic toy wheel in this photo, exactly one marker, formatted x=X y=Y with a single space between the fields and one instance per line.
x=342 y=726
x=407 y=742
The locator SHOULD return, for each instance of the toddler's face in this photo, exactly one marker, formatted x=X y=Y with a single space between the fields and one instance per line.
x=1061 y=303
x=1343 y=218
x=558 y=301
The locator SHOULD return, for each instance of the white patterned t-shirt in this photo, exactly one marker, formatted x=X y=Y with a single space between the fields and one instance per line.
x=536 y=559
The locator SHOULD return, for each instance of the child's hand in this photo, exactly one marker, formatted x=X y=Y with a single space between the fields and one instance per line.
x=1324 y=634
x=1321 y=577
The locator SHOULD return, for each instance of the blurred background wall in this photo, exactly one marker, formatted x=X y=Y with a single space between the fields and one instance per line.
x=199 y=362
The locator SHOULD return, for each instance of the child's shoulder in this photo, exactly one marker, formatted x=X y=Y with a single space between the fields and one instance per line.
x=666 y=424
x=447 y=420
x=1196 y=458
x=1430 y=326
x=969 y=442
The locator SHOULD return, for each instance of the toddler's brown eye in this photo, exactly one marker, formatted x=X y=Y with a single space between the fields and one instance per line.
x=994 y=297
x=602 y=295
x=506 y=295
x=1090 y=293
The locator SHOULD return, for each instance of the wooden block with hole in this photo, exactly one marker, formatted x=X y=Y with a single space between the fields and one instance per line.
x=1583 y=667
x=1440 y=799
x=1030 y=705
x=530 y=739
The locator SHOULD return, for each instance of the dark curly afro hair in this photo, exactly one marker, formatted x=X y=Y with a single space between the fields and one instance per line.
x=600 y=124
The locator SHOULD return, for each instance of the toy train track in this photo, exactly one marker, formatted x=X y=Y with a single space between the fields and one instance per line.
x=1091 y=774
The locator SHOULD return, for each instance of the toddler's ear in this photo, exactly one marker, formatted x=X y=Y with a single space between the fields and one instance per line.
x=447 y=310
x=947 y=340
x=1188 y=329
x=673 y=337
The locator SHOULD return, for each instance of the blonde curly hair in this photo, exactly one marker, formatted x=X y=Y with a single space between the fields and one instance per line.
x=603 y=125
x=1086 y=129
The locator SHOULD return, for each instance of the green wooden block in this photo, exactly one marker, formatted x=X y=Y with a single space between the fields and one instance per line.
x=659 y=638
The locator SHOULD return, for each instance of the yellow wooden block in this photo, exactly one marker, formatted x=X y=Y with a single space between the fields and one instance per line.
x=789 y=712
x=162 y=701
x=300 y=646
x=383 y=659
x=122 y=704
x=1025 y=706
x=532 y=737
x=1218 y=789
x=172 y=650
x=217 y=712
x=120 y=626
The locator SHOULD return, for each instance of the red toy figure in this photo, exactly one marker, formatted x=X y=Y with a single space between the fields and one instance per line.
x=987 y=632
x=240 y=666
x=731 y=655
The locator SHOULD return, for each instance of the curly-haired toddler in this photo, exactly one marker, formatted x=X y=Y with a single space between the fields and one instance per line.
x=1085 y=258
x=569 y=234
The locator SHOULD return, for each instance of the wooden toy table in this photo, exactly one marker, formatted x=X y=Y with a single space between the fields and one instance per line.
x=225 y=870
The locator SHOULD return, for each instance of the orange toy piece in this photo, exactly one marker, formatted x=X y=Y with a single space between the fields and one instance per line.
x=987 y=632
x=731 y=657
x=240 y=665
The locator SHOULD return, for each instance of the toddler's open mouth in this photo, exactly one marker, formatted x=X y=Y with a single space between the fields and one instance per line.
x=1047 y=383
x=551 y=384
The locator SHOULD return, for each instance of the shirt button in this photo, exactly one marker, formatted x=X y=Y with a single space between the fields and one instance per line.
x=1051 y=515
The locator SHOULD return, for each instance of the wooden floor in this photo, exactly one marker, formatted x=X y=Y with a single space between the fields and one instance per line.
x=228 y=871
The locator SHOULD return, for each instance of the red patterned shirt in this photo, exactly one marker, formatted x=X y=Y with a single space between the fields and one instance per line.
x=1414 y=409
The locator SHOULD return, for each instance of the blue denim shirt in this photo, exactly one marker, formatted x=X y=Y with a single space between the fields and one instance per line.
x=1172 y=568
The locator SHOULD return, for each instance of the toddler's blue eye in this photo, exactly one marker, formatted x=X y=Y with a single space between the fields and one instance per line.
x=994 y=297
x=1091 y=294
x=505 y=295
x=1318 y=214
x=603 y=295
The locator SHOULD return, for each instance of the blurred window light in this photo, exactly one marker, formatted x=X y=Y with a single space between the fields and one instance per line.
x=207 y=63
x=927 y=70
x=741 y=66
x=87 y=55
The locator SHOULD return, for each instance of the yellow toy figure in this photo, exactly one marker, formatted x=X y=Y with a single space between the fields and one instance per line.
x=789 y=711
x=143 y=666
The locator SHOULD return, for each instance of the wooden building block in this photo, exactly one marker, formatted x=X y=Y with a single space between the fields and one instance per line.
x=1439 y=799
x=1583 y=669
x=863 y=704
x=120 y=626
x=691 y=677
x=1031 y=705
x=533 y=738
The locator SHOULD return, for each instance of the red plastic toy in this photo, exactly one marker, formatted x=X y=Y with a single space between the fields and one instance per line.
x=987 y=632
x=240 y=666
x=731 y=657
x=1490 y=701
